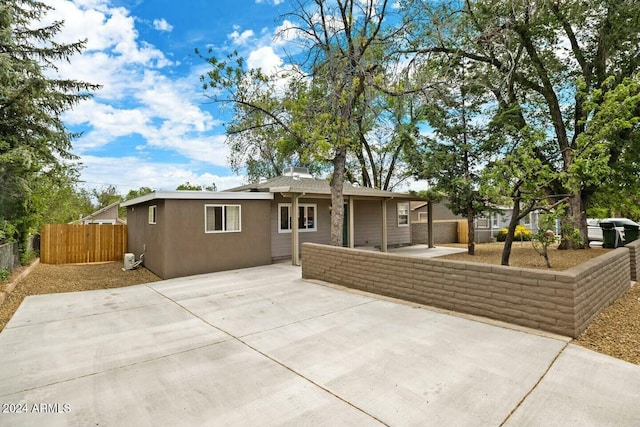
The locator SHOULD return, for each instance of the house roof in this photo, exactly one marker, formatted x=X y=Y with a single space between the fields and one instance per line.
x=100 y=211
x=197 y=195
x=298 y=184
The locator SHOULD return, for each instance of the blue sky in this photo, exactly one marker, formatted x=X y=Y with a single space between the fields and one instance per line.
x=150 y=124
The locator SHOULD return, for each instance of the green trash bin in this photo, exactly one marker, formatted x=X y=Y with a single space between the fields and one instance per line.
x=610 y=236
x=631 y=232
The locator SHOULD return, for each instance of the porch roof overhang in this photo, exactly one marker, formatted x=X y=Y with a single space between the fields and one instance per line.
x=198 y=195
x=350 y=192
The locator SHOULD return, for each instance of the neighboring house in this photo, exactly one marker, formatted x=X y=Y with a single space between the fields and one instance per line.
x=106 y=215
x=486 y=226
x=419 y=211
x=183 y=233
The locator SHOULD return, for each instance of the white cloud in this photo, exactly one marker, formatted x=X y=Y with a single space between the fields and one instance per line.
x=162 y=25
x=241 y=39
x=132 y=172
x=264 y=58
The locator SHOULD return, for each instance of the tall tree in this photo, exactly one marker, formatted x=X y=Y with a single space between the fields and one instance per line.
x=342 y=43
x=548 y=58
x=34 y=142
x=453 y=158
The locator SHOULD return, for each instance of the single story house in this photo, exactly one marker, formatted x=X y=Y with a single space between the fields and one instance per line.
x=106 y=215
x=183 y=233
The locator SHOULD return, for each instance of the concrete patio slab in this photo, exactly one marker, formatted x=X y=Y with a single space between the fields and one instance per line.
x=583 y=388
x=264 y=305
x=224 y=384
x=405 y=365
x=424 y=251
x=39 y=309
x=58 y=351
x=262 y=347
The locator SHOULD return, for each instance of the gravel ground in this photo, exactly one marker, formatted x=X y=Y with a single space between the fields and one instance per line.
x=50 y=279
x=523 y=255
x=615 y=331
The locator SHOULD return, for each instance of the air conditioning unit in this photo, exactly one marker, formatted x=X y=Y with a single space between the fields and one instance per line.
x=129 y=261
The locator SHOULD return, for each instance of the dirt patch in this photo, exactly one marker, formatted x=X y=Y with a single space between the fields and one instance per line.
x=615 y=330
x=51 y=279
x=523 y=255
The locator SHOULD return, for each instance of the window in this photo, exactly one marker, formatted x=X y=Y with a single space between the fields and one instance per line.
x=307 y=217
x=494 y=221
x=526 y=220
x=222 y=218
x=482 y=222
x=403 y=214
x=152 y=214
x=423 y=217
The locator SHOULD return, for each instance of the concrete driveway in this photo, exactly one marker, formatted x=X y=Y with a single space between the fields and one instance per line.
x=260 y=346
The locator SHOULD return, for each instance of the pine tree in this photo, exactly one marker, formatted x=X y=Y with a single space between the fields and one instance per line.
x=33 y=138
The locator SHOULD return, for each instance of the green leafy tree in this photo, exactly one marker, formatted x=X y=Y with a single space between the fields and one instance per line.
x=316 y=117
x=34 y=143
x=547 y=58
x=521 y=175
x=546 y=235
x=106 y=196
x=132 y=194
x=452 y=160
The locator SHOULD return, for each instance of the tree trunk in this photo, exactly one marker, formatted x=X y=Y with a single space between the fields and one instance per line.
x=506 y=251
x=337 y=196
x=471 y=235
x=576 y=219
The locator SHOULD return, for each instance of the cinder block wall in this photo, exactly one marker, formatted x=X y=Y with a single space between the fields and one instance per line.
x=560 y=302
x=443 y=232
x=634 y=253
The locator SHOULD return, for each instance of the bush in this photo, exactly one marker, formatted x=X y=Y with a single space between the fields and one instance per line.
x=28 y=256
x=521 y=233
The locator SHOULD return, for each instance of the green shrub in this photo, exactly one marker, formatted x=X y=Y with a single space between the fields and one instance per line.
x=28 y=256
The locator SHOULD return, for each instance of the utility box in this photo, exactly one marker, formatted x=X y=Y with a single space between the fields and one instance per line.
x=129 y=261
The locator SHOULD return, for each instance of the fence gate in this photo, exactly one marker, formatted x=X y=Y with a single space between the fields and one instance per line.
x=74 y=243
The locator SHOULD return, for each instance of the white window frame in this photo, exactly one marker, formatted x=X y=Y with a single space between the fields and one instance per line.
x=422 y=215
x=495 y=223
x=224 y=218
x=300 y=205
x=401 y=215
x=483 y=219
x=526 y=221
x=153 y=214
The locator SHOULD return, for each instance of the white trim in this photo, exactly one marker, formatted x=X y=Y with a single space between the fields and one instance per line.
x=199 y=195
x=224 y=213
x=154 y=209
x=398 y=213
x=300 y=205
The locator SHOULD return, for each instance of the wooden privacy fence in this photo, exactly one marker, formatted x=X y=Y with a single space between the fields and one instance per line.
x=72 y=243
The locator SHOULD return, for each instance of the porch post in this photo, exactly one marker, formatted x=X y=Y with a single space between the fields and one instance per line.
x=383 y=245
x=430 y=224
x=352 y=242
x=294 y=230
